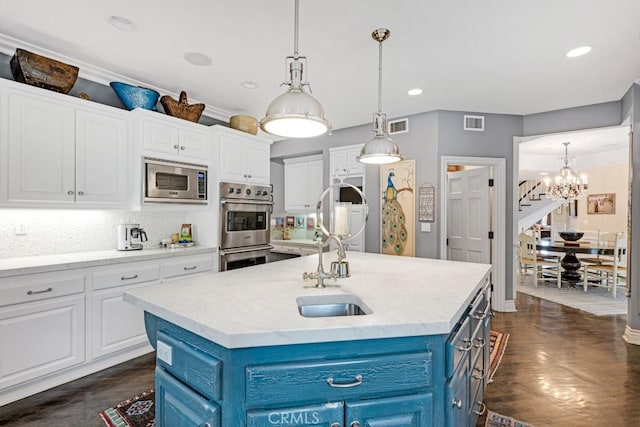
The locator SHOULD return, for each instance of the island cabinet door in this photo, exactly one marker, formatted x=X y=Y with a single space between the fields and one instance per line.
x=179 y=406
x=322 y=415
x=400 y=411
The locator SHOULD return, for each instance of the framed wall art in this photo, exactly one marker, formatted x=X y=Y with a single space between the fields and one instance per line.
x=397 y=182
x=601 y=204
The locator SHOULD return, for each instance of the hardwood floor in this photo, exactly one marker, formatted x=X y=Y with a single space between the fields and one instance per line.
x=562 y=367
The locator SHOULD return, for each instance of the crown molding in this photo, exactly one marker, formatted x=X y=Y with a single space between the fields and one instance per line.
x=8 y=46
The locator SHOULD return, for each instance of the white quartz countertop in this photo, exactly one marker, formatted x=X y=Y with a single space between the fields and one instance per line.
x=257 y=306
x=45 y=263
x=295 y=242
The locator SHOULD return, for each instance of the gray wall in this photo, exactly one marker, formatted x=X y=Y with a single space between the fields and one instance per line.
x=633 y=275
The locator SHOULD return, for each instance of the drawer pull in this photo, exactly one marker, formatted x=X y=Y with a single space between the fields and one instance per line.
x=479 y=316
x=190 y=268
x=456 y=403
x=356 y=382
x=482 y=411
x=480 y=342
x=482 y=374
x=335 y=425
x=39 y=292
x=355 y=424
x=135 y=276
x=467 y=346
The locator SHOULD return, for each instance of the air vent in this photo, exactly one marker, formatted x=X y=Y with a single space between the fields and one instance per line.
x=398 y=126
x=474 y=123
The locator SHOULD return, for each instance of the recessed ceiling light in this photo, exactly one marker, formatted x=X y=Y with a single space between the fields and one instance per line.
x=414 y=92
x=579 y=51
x=249 y=85
x=196 y=58
x=121 y=23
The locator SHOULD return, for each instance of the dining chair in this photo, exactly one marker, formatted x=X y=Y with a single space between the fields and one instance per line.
x=607 y=274
x=603 y=239
x=529 y=256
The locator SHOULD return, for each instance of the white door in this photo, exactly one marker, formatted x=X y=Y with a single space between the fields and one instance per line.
x=468 y=215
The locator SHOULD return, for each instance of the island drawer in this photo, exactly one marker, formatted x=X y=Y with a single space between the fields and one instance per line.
x=458 y=346
x=200 y=370
x=337 y=379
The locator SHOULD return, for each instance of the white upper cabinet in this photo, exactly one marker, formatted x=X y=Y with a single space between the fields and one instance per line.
x=303 y=183
x=169 y=137
x=242 y=157
x=61 y=154
x=344 y=160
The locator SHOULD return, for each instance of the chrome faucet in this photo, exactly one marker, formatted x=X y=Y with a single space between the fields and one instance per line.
x=320 y=275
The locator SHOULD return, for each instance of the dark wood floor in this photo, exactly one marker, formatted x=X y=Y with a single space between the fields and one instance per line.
x=562 y=367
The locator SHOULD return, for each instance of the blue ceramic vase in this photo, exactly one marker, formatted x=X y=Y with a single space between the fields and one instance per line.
x=136 y=96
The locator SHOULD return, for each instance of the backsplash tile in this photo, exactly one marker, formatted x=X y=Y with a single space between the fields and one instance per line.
x=67 y=231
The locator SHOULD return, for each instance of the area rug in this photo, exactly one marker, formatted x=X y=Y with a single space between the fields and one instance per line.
x=139 y=411
x=497 y=420
x=595 y=301
x=498 y=344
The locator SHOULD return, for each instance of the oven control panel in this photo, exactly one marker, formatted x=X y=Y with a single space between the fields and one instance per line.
x=232 y=190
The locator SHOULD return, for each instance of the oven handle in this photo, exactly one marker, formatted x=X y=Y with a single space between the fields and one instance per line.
x=246 y=202
x=244 y=249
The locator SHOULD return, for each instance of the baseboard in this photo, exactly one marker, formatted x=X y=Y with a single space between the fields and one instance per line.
x=507 y=306
x=632 y=336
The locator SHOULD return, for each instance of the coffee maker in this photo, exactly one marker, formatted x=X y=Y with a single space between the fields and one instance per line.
x=130 y=237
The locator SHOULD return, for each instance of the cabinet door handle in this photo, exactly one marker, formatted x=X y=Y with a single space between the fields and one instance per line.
x=80 y=193
x=335 y=425
x=479 y=316
x=190 y=268
x=135 y=276
x=39 y=292
x=474 y=374
x=467 y=346
x=175 y=146
x=249 y=176
x=182 y=147
x=70 y=192
x=457 y=403
x=354 y=424
x=356 y=382
x=481 y=411
x=480 y=342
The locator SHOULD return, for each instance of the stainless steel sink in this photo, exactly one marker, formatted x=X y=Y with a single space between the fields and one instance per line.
x=331 y=306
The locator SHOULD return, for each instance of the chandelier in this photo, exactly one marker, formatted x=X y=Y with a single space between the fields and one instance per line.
x=567 y=186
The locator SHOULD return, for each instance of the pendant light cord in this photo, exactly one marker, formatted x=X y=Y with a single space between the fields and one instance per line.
x=295 y=31
x=379 y=76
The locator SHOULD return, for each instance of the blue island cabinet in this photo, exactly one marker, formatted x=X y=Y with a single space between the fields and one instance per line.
x=417 y=381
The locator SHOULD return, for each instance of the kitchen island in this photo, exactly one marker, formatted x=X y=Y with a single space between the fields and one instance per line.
x=233 y=348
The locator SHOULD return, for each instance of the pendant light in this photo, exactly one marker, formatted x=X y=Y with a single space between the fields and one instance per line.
x=567 y=186
x=380 y=149
x=295 y=113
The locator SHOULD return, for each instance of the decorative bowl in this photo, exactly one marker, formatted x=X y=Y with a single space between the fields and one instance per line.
x=36 y=70
x=136 y=96
x=570 y=236
x=246 y=124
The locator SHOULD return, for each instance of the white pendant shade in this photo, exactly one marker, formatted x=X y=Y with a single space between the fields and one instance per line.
x=295 y=114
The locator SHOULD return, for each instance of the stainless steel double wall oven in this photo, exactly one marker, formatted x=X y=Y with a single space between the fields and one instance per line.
x=245 y=235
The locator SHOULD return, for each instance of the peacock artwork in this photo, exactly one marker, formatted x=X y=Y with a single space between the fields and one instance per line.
x=398 y=208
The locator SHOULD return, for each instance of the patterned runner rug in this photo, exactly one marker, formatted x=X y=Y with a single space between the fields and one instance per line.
x=139 y=411
x=497 y=420
x=498 y=344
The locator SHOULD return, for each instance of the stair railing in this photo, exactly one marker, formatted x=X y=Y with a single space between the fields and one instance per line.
x=529 y=191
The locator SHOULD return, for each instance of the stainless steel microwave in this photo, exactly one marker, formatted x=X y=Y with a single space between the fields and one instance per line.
x=174 y=182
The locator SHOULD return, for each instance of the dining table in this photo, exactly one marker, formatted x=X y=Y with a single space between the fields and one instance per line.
x=570 y=262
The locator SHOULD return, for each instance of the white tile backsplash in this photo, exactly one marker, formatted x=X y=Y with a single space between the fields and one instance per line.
x=67 y=231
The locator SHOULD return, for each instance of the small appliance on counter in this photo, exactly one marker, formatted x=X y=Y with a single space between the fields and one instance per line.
x=130 y=237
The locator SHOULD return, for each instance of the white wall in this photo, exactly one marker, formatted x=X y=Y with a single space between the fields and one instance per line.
x=66 y=231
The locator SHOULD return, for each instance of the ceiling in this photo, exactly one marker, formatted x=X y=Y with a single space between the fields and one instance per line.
x=501 y=56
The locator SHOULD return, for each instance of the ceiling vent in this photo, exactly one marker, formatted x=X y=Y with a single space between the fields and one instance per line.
x=475 y=123
x=398 y=126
